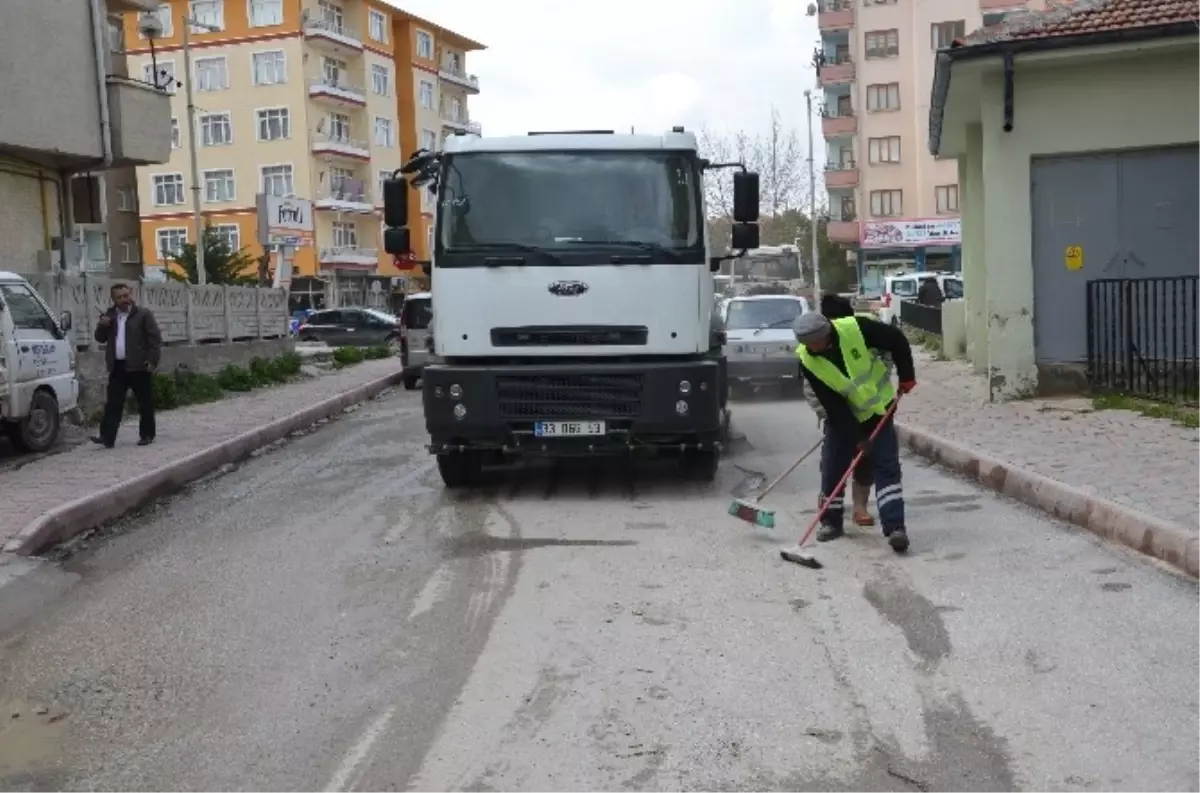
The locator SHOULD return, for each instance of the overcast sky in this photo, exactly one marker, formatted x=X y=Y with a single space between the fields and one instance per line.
x=649 y=64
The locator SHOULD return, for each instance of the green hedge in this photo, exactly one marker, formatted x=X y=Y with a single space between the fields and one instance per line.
x=183 y=388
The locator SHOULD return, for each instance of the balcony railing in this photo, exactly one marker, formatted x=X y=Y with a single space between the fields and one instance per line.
x=844 y=165
x=835 y=14
x=341 y=144
x=458 y=76
x=836 y=69
x=838 y=122
x=338 y=88
x=830 y=6
x=349 y=254
x=333 y=32
x=841 y=175
x=352 y=198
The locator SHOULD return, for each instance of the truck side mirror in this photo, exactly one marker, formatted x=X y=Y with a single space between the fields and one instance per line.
x=395 y=203
x=396 y=241
x=745 y=198
x=64 y=320
x=744 y=236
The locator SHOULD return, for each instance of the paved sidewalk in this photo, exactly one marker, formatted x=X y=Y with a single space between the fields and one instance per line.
x=1148 y=465
x=30 y=491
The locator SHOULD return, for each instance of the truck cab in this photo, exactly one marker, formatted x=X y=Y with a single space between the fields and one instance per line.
x=572 y=289
x=38 y=383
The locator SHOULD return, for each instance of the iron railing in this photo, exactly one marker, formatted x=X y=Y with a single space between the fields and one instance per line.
x=921 y=316
x=1142 y=337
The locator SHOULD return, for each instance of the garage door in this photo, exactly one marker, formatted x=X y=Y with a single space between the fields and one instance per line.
x=1131 y=214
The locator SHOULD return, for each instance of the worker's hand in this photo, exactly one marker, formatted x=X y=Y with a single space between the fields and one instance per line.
x=907 y=386
x=863 y=446
x=105 y=320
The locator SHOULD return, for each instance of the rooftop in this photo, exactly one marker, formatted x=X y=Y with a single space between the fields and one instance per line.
x=1086 y=17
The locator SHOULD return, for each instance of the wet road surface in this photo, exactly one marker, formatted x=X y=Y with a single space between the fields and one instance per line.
x=328 y=617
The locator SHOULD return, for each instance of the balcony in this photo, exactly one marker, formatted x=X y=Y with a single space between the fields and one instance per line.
x=351 y=197
x=338 y=91
x=459 y=78
x=1001 y=5
x=838 y=122
x=460 y=124
x=349 y=256
x=841 y=175
x=332 y=37
x=843 y=231
x=141 y=123
x=837 y=70
x=835 y=14
x=340 y=146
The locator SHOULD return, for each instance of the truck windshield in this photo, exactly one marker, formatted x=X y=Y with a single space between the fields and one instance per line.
x=580 y=207
x=777 y=313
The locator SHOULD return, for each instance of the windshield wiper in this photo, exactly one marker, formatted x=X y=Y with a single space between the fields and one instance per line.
x=782 y=323
x=504 y=246
x=647 y=247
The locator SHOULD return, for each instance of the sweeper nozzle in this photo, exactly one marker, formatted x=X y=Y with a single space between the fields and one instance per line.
x=800 y=557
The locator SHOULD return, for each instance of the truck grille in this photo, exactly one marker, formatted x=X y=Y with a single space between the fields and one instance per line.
x=569 y=335
x=569 y=396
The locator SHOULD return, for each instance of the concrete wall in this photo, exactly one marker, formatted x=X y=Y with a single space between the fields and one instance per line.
x=203 y=358
x=30 y=215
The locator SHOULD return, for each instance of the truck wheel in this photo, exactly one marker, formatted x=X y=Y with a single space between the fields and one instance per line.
x=410 y=384
x=459 y=469
x=38 y=431
x=701 y=464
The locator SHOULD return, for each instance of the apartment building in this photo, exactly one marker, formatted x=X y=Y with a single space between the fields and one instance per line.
x=316 y=99
x=890 y=201
x=72 y=130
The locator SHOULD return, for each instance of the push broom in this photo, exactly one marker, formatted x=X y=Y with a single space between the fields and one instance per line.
x=752 y=511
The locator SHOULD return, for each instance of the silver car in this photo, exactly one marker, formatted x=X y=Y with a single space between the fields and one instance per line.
x=416 y=336
x=760 y=346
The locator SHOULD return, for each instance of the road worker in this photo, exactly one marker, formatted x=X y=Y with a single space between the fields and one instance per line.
x=843 y=361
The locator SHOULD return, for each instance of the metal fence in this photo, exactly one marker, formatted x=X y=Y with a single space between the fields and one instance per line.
x=1142 y=337
x=921 y=316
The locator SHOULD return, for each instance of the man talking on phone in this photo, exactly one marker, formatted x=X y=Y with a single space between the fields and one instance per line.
x=132 y=349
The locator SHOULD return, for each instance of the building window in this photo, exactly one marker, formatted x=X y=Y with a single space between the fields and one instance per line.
x=946 y=198
x=87 y=198
x=426 y=95
x=127 y=198
x=883 y=150
x=171 y=242
x=163 y=12
x=161 y=77
x=218 y=186
x=429 y=240
x=274 y=123
x=277 y=181
x=377 y=26
x=943 y=34
x=270 y=68
x=175 y=142
x=427 y=201
x=456 y=110
x=883 y=43
x=453 y=63
x=994 y=18
x=209 y=14
x=264 y=13
x=383 y=177
x=847 y=208
x=883 y=96
x=212 y=74
x=229 y=235
x=216 y=129
x=887 y=203
x=131 y=250
x=424 y=45
x=345 y=235
x=339 y=128
x=333 y=69
x=380 y=77
x=168 y=189
x=429 y=139
x=333 y=16
x=116 y=34
x=383 y=132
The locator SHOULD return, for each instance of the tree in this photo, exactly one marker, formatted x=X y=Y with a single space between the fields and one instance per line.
x=221 y=265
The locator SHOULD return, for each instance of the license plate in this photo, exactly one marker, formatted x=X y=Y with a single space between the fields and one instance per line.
x=768 y=349
x=567 y=429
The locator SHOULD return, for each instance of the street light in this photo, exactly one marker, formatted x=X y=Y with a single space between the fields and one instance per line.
x=151 y=27
x=812 y=186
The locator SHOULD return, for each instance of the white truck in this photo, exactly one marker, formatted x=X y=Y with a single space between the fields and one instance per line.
x=37 y=367
x=573 y=297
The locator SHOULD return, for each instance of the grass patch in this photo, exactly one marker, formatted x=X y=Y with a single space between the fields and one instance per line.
x=1183 y=415
x=378 y=352
x=932 y=343
x=347 y=356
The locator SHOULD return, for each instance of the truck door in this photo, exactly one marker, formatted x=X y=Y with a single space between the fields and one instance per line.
x=38 y=351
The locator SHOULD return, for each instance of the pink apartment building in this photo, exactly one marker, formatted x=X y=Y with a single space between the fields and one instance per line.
x=890 y=201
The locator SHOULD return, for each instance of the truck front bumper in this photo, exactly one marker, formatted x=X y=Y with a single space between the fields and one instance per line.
x=642 y=406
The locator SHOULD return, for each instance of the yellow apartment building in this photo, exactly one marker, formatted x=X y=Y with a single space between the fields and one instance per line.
x=317 y=99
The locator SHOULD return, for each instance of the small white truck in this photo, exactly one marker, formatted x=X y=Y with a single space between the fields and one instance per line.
x=38 y=384
x=573 y=297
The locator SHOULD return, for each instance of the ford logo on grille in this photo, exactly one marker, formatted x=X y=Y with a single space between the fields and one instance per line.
x=567 y=288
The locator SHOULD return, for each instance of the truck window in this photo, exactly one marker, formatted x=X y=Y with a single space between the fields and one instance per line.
x=904 y=287
x=26 y=310
x=747 y=314
x=418 y=313
x=952 y=288
x=568 y=201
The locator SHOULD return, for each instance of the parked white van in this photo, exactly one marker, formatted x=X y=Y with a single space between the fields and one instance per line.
x=37 y=366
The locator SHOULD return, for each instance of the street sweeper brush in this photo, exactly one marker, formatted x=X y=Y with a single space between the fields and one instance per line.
x=752 y=511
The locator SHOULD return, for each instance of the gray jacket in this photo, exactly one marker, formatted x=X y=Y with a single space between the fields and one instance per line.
x=143 y=340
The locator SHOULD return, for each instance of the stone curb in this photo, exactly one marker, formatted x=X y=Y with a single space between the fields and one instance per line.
x=1165 y=541
x=94 y=509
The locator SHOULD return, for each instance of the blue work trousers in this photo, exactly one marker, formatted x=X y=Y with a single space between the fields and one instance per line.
x=839 y=450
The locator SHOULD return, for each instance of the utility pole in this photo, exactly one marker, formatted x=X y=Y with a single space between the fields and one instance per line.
x=812 y=203
x=197 y=218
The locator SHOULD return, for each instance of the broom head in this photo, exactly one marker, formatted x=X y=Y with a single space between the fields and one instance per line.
x=754 y=514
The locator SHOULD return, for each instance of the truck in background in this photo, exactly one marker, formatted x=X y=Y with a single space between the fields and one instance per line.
x=573 y=294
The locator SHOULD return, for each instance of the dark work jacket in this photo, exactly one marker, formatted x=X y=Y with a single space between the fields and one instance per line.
x=143 y=340
x=883 y=339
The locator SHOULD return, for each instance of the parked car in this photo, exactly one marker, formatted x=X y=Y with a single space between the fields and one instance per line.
x=416 y=336
x=760 y=345
x=904 y=286
x=352 y=327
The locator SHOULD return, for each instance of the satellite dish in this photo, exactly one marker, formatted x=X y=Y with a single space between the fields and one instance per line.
x=150 y=26
x=812 y=9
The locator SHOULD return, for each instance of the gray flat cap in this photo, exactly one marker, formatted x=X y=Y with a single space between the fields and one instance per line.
x=811 y=326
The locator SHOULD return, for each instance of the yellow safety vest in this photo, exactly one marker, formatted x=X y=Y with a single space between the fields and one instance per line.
x=867 y=385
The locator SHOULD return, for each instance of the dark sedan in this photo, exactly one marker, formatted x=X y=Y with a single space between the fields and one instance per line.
x=351 y=327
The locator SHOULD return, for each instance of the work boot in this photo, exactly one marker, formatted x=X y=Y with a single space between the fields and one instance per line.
x=861 y=496
x=825 y=532
x=898 y=539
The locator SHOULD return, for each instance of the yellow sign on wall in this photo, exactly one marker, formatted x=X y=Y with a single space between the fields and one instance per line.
x=1073 y=257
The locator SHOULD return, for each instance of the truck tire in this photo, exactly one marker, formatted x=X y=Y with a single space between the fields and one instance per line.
x=701 y=464
x=410 y=382
x=459 y=469
x=38 y=431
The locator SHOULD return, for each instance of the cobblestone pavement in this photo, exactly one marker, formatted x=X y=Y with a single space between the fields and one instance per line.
x=1146 y=464
x=27 y=491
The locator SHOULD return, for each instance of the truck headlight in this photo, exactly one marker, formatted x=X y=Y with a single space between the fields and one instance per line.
x=438 y=392
x=456 y=391
x=681 y=408
x=685 y=387
x=460 y=411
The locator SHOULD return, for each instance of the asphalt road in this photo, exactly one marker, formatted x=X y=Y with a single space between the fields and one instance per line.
x=328 y=617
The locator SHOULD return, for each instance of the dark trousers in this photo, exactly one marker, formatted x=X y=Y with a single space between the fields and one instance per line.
x=838 y=452
x=120 y=382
